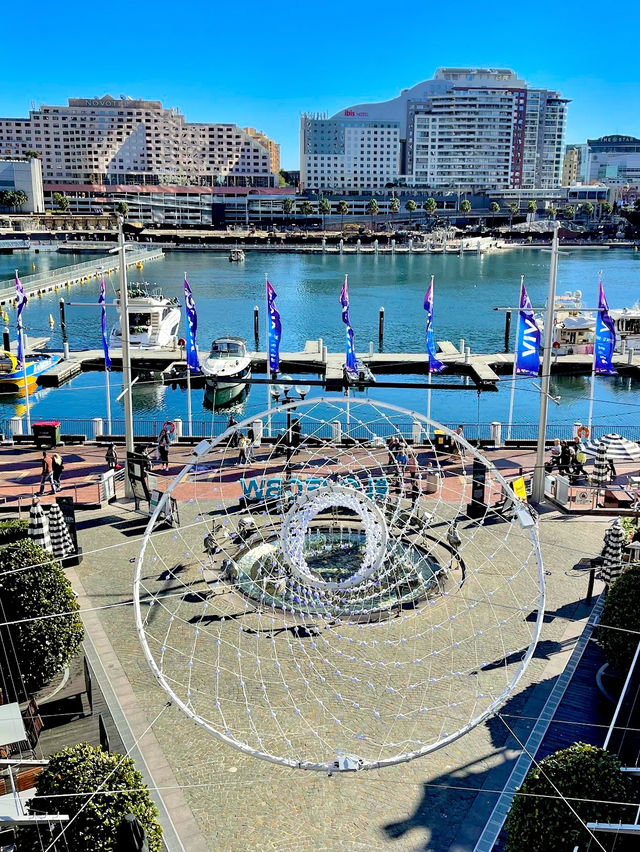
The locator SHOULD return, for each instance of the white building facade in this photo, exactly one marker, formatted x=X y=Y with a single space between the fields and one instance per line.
x=24 y=174
x=108 y=140
x=614 y=160
x=468 y=128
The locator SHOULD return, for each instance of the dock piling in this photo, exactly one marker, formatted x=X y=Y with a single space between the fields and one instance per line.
x=63 y=329
x=6 y=342
x=256 y=326
x=381 y=327
x=461 y=346
x=507 y=329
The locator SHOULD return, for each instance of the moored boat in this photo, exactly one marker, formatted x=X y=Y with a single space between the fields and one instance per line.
x=573 y=330
x=14 y=376
x=236 y=255
x=153 y=319
x=226 y=369
x=627 y=324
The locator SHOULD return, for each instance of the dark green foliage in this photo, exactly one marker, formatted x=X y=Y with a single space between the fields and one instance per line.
x=621 y=609
x=33 y=652
x=12 y=530
x=84 y=769
x=545 y=823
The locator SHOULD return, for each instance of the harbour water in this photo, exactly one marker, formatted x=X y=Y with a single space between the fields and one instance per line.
x=308 y=286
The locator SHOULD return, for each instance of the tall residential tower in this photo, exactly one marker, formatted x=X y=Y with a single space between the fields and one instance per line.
x=468 y=128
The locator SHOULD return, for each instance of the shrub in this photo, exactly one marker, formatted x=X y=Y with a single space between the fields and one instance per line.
x=621 y=609
x=12 y=530
x=35 y=651
x=540 y=824
x=84 y=769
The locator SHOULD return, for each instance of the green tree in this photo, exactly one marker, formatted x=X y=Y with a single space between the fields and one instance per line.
x=20 y=197
x=32 y=155
x=606 y=209
x=411 y=206
x=65 y=786
x=324 y=208
x=532 y=207
x=60 y=201
x=494 y=207
x=541 y=821
x=552 y=211
x=288 y=205
x=569 y=212
x=306 y=208
x=394 y=205
x=621 y=610
x=373 y=208
x=122 y=207
x=514 y=209
x=465 y=207
x=38 y=647
x=343 y=209
x=8 y=198
x=587 y=208
x=429 y=207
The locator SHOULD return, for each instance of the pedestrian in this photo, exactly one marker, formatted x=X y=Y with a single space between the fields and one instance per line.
x=579 y=458
x=242 y=449
x=46 y=473
x=564 y=463
x=235 y=438
x=554 y=460
x=57 y=466
x=163 y=449
x=111 y=457
x=412 y=467
x=458 y=449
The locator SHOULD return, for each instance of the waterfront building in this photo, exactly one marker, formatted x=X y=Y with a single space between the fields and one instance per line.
x=570 y=165
x=26 y=174
x=614 y=160
x=272 y=147
x=123 y=141
x=471 y=128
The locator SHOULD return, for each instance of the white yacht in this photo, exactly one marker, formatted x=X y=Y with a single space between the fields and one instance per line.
x=153 y=319
x=225 y=370
x=627 y=322
x=236 y=255
x=573 y=329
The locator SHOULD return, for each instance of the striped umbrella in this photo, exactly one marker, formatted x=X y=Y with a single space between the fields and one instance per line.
x=618 y=448
x=61 y=540
x=38 y=530
x=612 y=552
x=600 y=473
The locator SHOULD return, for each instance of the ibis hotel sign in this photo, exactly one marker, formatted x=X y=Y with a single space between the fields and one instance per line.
x=273 y=487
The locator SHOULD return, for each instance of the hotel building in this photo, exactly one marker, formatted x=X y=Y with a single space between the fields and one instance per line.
x=614 y=160
x=124 y=141
x=470 y=128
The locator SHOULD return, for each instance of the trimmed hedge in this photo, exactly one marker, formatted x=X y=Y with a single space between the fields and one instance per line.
x=621 y=609
x=13 y=530
x=34 y=651
x=84 y=769
x=544 y=822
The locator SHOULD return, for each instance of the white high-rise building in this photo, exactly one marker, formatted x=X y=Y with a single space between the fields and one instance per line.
x=470 y=128
x=123 y=141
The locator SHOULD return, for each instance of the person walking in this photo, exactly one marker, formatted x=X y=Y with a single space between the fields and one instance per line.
x=565 y=461
x=111 y=457
x=46 y=473
x=554 y=460
x=579 y=458
x=235 y=437
x=242 y=449
x=57 y=466
x=163 y=449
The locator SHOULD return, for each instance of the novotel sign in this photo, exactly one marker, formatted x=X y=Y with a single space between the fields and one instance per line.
x=273 y=487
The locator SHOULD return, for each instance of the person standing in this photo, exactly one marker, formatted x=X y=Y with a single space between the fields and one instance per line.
x=111 y=457
x=163 y=449
x=554 y=460
x=242 y=449
x=46 y=473
x=579 y=458
x=235 y=438
x=57 y=466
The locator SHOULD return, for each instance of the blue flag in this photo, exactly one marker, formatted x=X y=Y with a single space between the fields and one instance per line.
x=105 y=341
x=435 y=366
x=351 y=362
x=21 y=299
x=605 y=339
x=191 y=328
x=528 y=342
x=275 y=329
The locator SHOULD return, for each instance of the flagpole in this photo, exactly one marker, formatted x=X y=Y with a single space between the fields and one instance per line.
x=429 y=401
x=24 y=373
x=515 y=364
x=189 y=384
x=108 y=390
x=266 y=349
x=593 y=374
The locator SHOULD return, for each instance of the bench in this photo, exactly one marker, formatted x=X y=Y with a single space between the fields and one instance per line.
x=73 y=439
x=23 y=439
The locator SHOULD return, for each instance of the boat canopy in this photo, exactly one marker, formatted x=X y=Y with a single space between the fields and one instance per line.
x=8 y=362
x=232 y=347
x=581 y=321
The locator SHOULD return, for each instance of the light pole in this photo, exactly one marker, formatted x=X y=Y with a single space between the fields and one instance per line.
x=300 y=393
x=126 y=357
x=538 y=471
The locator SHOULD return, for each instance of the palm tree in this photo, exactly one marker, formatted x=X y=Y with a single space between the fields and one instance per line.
x=429 y=207
x=306 y=208
x=394 y=205
x=373 y=208
x=411 y=206
x=20 y=198
x=32 y=155
x=287 y=207
x=514 y=209
x=324 y=208
x=343 y=209
x=61 y=201
x=606 y=209
x=569 y=211
x=587 y=209
x=552 y=211
x=122 y=207
x=465 y=207
x=532 y=207
x=495 y=208
x=7 y=198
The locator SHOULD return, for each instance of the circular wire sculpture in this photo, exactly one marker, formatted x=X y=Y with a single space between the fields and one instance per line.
x=347 y=592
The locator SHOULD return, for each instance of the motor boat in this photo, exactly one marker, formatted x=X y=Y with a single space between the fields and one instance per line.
x=359 y=376
x=154 y=319
x=573 y=329
x=226 y=369
x=627 y=324
x=13 y=376
x=236 y=255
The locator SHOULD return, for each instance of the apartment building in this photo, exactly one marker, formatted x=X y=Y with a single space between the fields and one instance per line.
x=272 y=147
x=470 y=128
x=124 y=141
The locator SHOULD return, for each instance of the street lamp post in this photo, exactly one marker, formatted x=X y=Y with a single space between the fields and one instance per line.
x=126 y=357
x=300 y=393
x=538 y=471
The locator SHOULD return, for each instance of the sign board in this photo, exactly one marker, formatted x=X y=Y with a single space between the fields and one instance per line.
x=69 y=514
x=477 y=507
x=169 y=512
x=137 y=468
x=520 y=488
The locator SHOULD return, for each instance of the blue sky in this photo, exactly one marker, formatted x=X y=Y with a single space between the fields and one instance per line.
x=261 y=63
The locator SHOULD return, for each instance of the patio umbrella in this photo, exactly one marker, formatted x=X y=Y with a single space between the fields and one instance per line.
x=617 y=448
x=612 y=552
x=61 y=541
x=131 y=835
x=38 y=530
x=600 y=473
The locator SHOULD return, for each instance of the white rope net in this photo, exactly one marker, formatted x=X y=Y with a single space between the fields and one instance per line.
x=330 y=603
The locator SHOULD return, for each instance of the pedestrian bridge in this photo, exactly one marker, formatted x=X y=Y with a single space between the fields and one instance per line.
x=15 y=244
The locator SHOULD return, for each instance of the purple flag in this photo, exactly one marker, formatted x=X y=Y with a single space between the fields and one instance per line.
x=528 y=342
x=21 y=298
x=191 y=328
x=351 y=362
x=605 y=338
x=275 y=329
x=435 y=366
x=102 y=301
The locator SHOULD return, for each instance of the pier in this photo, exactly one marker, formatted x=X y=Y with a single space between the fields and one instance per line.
x=52 y=280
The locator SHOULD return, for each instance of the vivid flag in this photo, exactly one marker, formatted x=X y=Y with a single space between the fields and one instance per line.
x=351 y=362
x=21 y=298
x=102 y=301
x=435 y=366
x=528 y=342
x=275 y=329
x=605 y=339
x=191 y=328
